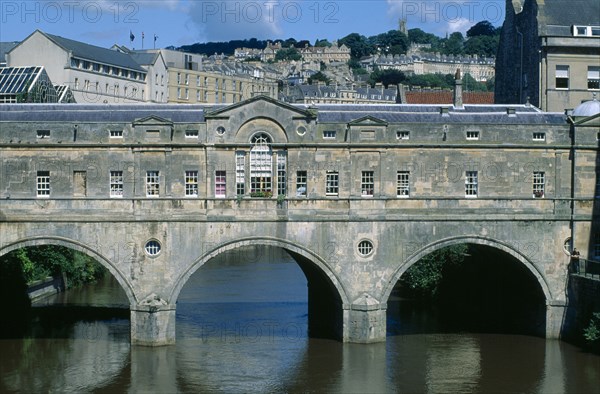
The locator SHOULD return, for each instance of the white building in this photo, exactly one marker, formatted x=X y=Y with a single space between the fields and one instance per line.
x=93 y=74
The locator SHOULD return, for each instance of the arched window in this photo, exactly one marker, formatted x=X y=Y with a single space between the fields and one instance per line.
x=261 y=164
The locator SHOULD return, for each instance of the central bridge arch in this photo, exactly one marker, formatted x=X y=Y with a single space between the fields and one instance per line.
x=327 y=297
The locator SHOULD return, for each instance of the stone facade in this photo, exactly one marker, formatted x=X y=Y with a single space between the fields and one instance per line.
x=549 y=55
x=355 y=193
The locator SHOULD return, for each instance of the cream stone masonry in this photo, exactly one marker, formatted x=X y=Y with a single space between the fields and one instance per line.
x=117 y=177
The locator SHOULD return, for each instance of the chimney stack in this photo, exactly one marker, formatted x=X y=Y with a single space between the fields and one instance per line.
x=458 y=99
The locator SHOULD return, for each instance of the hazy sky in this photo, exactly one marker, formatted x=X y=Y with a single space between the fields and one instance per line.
x=179 y=22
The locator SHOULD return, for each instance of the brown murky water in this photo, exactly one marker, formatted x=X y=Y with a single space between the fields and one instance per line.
x=242 y=328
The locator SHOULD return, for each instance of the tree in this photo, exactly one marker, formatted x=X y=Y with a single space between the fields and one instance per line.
x=393 y=42
x=454 y=44
x=318 y=77
x=483 y=28
x=484 y=46
x=288 y=54
x=359 y=45
x=418 y=36
x=322 y=43
x=425 y=276
x=386 y=77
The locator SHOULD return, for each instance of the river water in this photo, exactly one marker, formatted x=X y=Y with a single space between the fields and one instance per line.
x=241 y=327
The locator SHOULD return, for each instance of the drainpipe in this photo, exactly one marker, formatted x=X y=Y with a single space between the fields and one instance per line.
x=520 y=65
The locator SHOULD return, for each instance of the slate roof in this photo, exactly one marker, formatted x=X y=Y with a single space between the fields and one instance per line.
x=327 y=113
x=94 y=53
x=6 y=47
x=570 y=12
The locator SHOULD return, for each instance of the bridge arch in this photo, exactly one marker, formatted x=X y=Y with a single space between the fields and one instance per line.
x=477 y=240
x=289 y=246
x=80 y=247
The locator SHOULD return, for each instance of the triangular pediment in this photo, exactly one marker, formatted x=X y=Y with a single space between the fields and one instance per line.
x=368 y=121
x=152 y=120
x=269 y=101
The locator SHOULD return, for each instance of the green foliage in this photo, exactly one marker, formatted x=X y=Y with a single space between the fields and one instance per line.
x=386 y=77
x=483 y=46
x=289 y=54
x=322 y=43
x=425 y=276
x=418 y=36
x=359 y=45
x=318 y=77
x=483 y=28
x=393 y=42
x=592 y=332
x=42 y=261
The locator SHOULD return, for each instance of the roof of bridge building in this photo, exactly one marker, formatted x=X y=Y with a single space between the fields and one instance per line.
x=327 y=113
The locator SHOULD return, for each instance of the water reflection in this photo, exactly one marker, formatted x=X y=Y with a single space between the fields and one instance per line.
x=93 y=354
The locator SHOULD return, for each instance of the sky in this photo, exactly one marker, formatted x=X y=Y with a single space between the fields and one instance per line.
x=181 y=22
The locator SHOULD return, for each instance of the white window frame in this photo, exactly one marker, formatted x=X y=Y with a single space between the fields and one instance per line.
x=539 y=184
x=116 y=133
x=116 y=184
x=367 y=183
x=191 y=134
x=332 y=183
x=593 y=77
x=471 y=184
x=220 y=184
x=153 y=183
x=403 y=184
x=240 y=173
x=539 y=136
x=329 y=134
x=472 y=135
x=562 y=72
x=191 y=183
x=301 y=182
x=281 y=173
x=402 y=135
x=43 y=184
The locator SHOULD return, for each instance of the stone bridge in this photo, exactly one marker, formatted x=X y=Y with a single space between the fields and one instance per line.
x=356 y=194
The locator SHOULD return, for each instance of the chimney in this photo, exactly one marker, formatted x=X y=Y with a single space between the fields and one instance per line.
x=458 y=99
x=401 y=95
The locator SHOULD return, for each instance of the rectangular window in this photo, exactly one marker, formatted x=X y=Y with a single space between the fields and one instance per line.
x=152 y=183
x=471 y=184
x=403 y=184
x=367 y=183
x=191 y=134
x=281 y=173
x=79 y=183
x=301 y=185
x=116 y=184
x=402 y=135
x=539 y=184
x=539 y=136
x=240 y=173
x=41 y=134
x=116 y=134
x=330 y=134
x=562 y=77
x=332 y=183
x=472 y=135
x=593 y=77
x=191 y=183
x=43 y=183
x=220 y=183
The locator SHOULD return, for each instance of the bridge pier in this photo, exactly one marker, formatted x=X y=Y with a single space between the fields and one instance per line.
x=153 y=325
x=365 y=321
x=555 y=313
